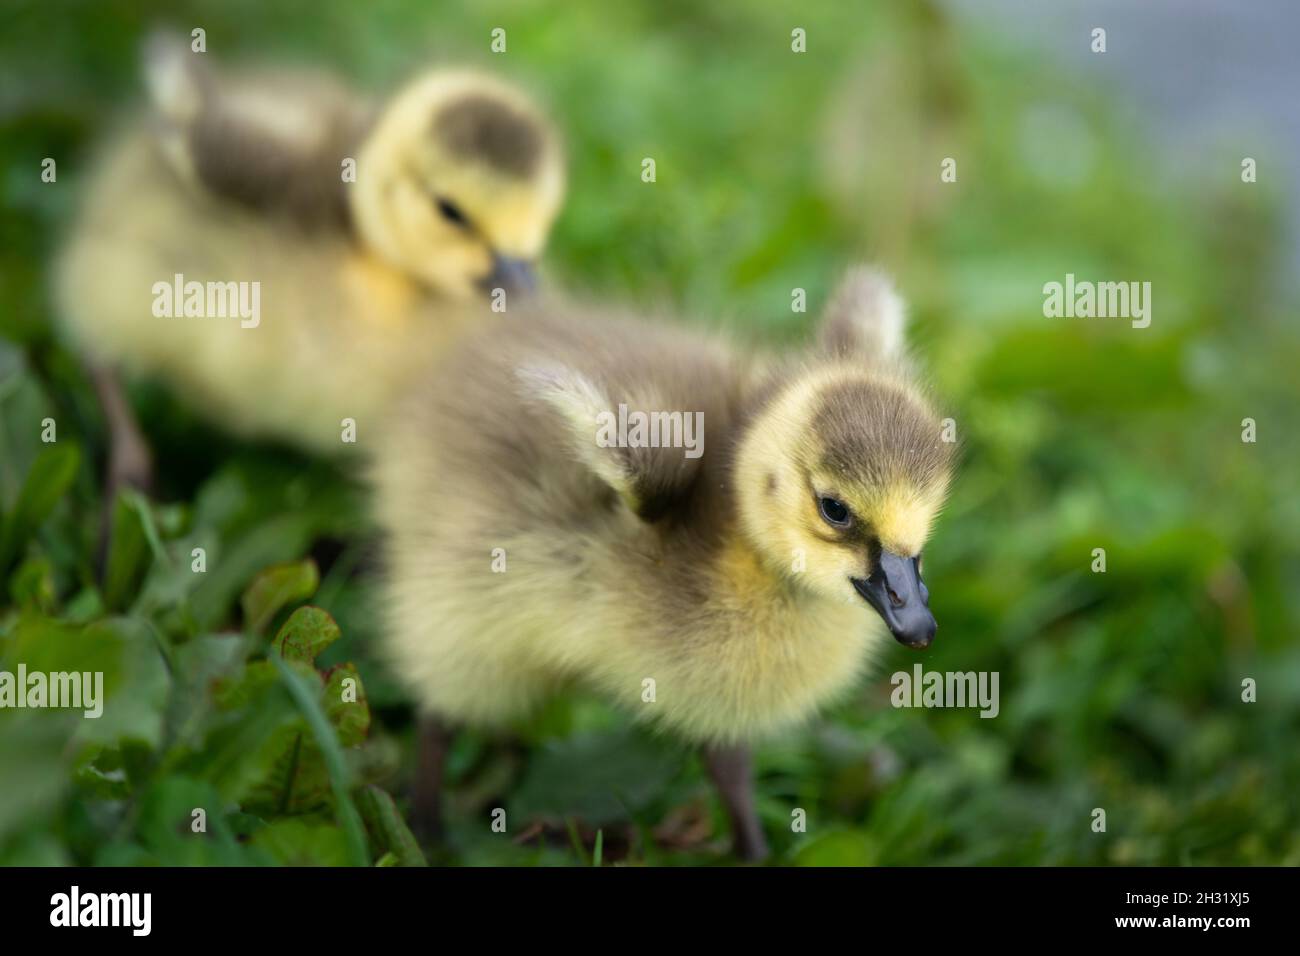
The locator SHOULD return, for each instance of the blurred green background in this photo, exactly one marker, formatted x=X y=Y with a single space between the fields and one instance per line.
x=1119 y=690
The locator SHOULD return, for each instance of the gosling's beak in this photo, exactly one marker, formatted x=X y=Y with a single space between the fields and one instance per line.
x=898 y=594
x=513 y=275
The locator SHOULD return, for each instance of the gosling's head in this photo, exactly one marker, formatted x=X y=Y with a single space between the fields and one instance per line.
x=843 y=471
x=458 y=183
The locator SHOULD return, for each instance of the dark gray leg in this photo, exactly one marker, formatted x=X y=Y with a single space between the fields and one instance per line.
x=730 y=770
x=130 y=463
x=433 y=741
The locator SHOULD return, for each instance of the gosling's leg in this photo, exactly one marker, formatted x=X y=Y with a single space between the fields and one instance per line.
x=434 y=742
x=130 y=462
x=731 y=772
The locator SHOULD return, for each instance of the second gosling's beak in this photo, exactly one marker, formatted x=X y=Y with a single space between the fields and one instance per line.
x=513 y=275
x=898 y=594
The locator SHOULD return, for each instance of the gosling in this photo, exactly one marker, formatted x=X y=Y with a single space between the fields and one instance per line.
x=335 y=242
x=717 y=593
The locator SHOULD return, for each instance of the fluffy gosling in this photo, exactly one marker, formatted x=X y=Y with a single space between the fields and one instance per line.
x=720 y=596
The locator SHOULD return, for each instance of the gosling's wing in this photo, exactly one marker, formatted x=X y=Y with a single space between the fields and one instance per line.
x=649 y=479
x=274 y=142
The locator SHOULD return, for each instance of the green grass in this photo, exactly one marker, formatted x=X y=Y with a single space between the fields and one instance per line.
x=1120 y=691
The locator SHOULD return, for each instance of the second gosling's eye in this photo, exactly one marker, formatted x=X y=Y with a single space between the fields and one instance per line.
x=834 y=511
x=451 y=212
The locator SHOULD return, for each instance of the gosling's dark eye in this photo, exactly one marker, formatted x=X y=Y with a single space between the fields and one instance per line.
x=451 y=212
x=834 y=511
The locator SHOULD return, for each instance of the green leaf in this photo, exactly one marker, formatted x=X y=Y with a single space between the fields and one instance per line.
x=600 y=777
x=246 y=686
x=123 y=676
x=167 y=820
x=296 y=777
x=32 y=585
x=275 y=588
x=839 y=848
x=389 y=833
x=298 y=781
x=299 y=843
x=304 y=695
x=247 y=740
x=255 y=512
x=128 y=557
x=134 y=706
x=34 y=766
x=49 y=478
x=36 y=849
x=308 y=631
x=350 y=717
x=203 y=666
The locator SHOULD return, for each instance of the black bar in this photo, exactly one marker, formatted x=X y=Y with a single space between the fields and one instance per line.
x=243 y=907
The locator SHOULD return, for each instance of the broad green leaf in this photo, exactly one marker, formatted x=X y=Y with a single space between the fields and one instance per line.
x=256 y=723
x=242 y=688
x=34 y=766
x=256 y=511
x=275 y=588
x=346 y=705
x=118 y=667
x=182 y=822
x=203 y=666
x=304 y=695
x=134 y=709
x=298 y=780
x=599 y=777
x=36 y=849
x=308 y=631
x=299 y=843
x=240 y=560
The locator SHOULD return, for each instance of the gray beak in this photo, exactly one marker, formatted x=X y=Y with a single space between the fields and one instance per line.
x=900 y=597
x=513 y=275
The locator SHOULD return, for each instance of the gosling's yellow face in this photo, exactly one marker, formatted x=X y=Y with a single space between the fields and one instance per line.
x=458 y=184
x=842 y=481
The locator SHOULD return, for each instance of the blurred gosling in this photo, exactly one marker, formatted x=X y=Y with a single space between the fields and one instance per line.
x=238 y=181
